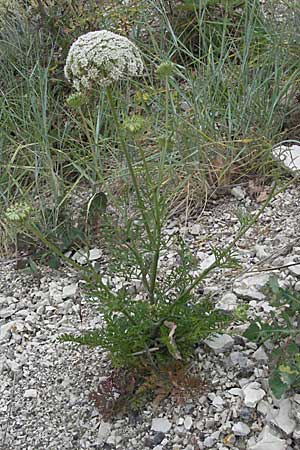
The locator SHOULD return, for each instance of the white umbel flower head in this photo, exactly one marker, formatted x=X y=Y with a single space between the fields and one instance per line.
x=99 y=58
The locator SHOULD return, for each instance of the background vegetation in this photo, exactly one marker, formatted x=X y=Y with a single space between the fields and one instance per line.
x=234 y=94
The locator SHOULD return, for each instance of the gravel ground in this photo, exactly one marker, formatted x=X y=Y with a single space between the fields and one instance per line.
x=45 y=384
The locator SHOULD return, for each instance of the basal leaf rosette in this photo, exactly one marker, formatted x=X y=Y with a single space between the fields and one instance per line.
x=100 y=58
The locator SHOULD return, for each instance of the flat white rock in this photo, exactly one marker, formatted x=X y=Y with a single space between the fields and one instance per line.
x=260 y=251
x=248 y=286
x=70 y=290
x=218 y=402
x=240 y=429
x=220 y=343
x=30 y=393
x=161 y=424
x=282 y=419
x=7 y=312
x=288 y=156
x=208 y=261
x=236 y=392
x=228 y=302
x=7 y=328
x=295 y=268
x=188 y=422
x=260 y=355
x=238 y=192
x=103 y=432
x=82 y=256
x=195 y=229
x=268 y=441
x=253 y=394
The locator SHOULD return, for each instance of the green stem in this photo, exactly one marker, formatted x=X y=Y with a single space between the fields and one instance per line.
x=141 y=204
x=158 y=203
x=141 y=264
x=154 y=268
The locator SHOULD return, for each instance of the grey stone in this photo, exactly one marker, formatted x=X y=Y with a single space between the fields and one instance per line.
x=207 y=262
x=219 y=343
x=248 y=286
x=70 y=290
x=228 y=302
x=238 y=192
x=195 y=229
x=30 y=393
x=264 y=408
x=103 y=432
x=295 y=268
x=157 y=439
x=260 y=251
x=161 y=424
x=238 y=359
x=211 y=440
x=218 y=403
x=268 y=441
x=253 y=394
x=245 y=413
x=188 y=422
x=283 y=418
x=7 y=312
x=260 y=355
x=240 y=429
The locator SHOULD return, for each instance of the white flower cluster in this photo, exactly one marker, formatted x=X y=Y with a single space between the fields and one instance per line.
x=100 y=58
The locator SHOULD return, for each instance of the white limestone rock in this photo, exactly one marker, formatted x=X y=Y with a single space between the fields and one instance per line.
x=206 y=262
x=268 y=441
x=30 y=393
x=219 y=343
x=188 y=422
x=260 y=355
x=240 y=429
x=7 y=312
x=260 y=251
x=228 y=302
x=70 y=290
x=283 y=418
x=253 y=394
x=288 y=156
x=238 y=192
x=8 y=328
x=103 y=432
x=249 y=286
x=295 y=268
x=195 y=229
x=161 y=424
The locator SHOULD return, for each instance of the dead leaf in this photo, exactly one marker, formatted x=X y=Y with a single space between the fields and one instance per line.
x=174 y=350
